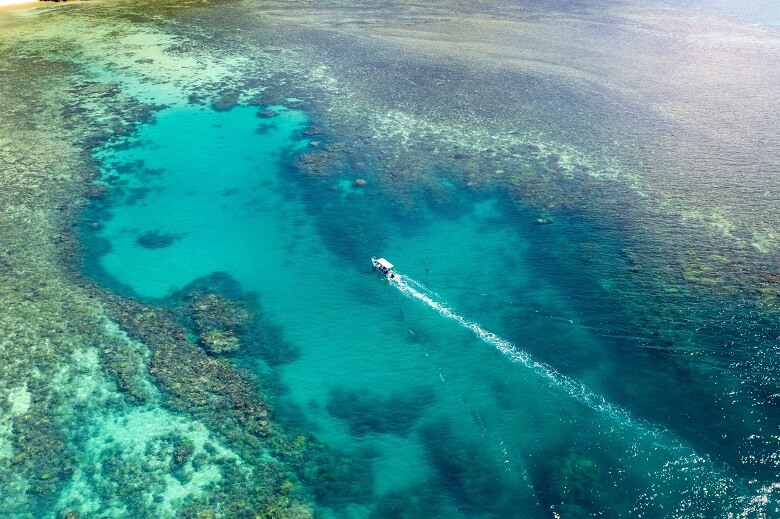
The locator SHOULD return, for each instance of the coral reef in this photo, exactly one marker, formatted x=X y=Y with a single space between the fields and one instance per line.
x=218 y=342
x=369 y=412
x=211 y=311
x=214 y=392
x=41 y=455
x=156 y=240
x=95 y=422
x=217 y=321
x=267 y=113
x=193 y=381
x=339 y=479
x=76 y=394
x=97 y=190
x=318 y=163
x=471 y=476
x=420 y=501
x=227 y=320
x=226 y=102
x=576 y=486
x=127 y=362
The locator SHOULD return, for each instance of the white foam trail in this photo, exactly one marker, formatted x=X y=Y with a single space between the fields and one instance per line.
x=687 y=462
x=577 y=390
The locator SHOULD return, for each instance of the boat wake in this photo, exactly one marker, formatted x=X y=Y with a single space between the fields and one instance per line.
x=579 y=391
x=680 y=463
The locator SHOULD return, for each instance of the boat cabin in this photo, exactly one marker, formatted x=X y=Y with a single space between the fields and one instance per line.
x=384 y=267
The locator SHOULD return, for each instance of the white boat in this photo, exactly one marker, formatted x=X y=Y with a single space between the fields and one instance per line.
x=384 y=267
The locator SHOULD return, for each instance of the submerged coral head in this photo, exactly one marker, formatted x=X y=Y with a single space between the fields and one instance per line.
x=156 y=240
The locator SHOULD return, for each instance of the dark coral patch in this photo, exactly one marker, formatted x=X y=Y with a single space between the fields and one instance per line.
x=156 y=240
x=369 y=412
x=226 y=102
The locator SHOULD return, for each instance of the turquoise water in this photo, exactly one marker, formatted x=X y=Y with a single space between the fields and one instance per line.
x=502 y=375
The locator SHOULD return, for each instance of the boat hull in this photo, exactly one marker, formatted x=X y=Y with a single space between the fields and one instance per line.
x=382 y=269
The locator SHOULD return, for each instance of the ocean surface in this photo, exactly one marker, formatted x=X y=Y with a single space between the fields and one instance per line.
x=585 y=318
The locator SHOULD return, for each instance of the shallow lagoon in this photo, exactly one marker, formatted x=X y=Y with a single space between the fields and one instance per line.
x=633 y=367
x=429 y=408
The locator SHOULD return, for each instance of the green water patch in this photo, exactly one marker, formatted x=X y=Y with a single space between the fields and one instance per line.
x=417 y=411
x=568 y=288
x=213 y=169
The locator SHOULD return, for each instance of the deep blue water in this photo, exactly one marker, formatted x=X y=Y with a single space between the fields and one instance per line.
x=517 y=369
